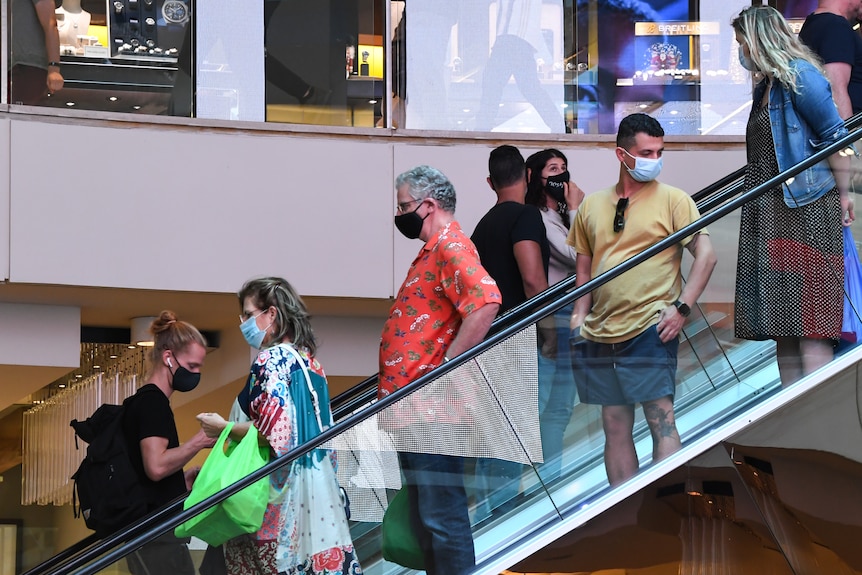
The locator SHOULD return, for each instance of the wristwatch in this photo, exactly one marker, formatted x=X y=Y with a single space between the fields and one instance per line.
x=175 y=11
x=682 y=308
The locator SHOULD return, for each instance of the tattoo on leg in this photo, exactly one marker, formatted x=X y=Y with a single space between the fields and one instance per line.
x=660 y=420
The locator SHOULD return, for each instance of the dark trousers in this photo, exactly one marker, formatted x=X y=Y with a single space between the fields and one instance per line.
x=163 y=556
x=27 y=85
x=438 y=511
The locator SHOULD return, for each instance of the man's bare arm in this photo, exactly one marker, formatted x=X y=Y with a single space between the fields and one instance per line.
x=583 y=267
x=474 y=327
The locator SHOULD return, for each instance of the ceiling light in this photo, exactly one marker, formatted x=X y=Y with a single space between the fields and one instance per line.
x=140 y=332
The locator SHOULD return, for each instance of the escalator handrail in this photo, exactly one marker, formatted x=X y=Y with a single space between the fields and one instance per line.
x=707 y=199
x=852 y=123
x=564 y=287
x=718 y=185
x=516 y=322
x=65 y=554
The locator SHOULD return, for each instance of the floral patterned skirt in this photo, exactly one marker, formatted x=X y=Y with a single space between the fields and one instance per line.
x=246 y=555
x=305 y=529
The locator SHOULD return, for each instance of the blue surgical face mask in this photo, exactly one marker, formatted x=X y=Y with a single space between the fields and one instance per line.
x=745 y=61
x=252 y=333
x=645 y=170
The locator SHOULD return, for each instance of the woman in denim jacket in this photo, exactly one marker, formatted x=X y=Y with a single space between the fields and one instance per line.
x=790 y=268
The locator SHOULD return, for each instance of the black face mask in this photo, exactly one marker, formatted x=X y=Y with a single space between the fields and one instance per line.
x=410 y=224
x=183 y=379
x=555 y=188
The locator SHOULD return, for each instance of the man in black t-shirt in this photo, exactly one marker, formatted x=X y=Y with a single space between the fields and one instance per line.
x=829 y=33
x=148 y=414
x=513 y=247
x=511 y=237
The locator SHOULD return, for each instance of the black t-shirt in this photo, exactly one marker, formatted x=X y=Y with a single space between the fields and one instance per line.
x=148 y=414
x=834 y=40
x=495 y=237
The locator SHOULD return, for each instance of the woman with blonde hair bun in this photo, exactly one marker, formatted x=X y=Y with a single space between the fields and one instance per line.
x=155 y=451
x=790 y=270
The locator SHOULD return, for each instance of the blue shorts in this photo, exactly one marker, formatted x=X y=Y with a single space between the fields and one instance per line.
x=634 y=371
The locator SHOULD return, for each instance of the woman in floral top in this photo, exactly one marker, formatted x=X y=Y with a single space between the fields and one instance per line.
x=305 y=529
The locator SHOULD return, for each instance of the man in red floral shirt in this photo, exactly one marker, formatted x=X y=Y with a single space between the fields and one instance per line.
x=444 y=307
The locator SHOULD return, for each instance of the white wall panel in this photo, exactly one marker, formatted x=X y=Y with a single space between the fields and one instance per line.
x=45 y=335
x=201 y=211
x=157 y=208
x=5 y=163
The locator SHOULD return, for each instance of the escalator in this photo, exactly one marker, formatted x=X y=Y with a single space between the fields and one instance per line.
x=724 y=386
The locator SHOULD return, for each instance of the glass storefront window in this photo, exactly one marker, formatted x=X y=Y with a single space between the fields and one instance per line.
x=119 y=55
x=562 y=66
x=274 y=60
x=509 y=66
x=292 y=61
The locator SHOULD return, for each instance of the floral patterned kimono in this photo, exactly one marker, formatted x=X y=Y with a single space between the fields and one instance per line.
x=305 y=529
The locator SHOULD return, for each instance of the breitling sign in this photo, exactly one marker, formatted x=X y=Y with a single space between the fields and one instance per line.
x=676 y=28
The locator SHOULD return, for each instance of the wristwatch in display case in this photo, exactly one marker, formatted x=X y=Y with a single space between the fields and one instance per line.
x=175 y=11
x=148 y=28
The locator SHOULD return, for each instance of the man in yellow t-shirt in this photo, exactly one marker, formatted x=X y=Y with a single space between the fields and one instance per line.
x=630 y=325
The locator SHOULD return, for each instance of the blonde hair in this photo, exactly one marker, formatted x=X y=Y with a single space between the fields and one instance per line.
x=173 y=334
x=772 y=44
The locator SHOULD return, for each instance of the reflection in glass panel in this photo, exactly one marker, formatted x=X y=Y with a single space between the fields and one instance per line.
x=675 y=60
x=698 y=519
x=484 y=66
x=323 y=61
x=229 y=63
x=115 y=56
x=539 y=66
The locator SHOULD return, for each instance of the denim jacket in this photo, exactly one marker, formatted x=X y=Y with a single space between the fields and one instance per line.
x=802 y=123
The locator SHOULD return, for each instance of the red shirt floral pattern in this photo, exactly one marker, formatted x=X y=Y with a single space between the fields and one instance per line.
x=445 y=284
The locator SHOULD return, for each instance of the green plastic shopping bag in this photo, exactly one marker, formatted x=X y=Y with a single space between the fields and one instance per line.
x=240 y=513
x=400 y=544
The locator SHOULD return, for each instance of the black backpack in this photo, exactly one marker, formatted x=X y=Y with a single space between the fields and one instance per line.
x=107 y=491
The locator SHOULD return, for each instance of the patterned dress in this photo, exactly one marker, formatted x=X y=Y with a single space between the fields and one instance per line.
x=305 y=530
x=790 y=268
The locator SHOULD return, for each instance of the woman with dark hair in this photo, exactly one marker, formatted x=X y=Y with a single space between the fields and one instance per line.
x=155 y=451
x=549 y=189
x=790 y=271
x=286 y=399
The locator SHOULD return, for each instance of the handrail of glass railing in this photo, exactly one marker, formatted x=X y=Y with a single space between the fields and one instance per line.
x=64 y=555
x=734 y=183
x=707 y=192
x=560 y=290
x=718 y=185
x=708 y=198
x=547 y=304
x=354 y=398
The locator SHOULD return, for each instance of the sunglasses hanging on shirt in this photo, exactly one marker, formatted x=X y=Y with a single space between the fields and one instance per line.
x=619 y=216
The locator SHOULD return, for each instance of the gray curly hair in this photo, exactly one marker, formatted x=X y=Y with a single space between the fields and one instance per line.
x=427 y=182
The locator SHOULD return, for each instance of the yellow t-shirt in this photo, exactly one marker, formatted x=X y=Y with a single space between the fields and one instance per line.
x=627 y=305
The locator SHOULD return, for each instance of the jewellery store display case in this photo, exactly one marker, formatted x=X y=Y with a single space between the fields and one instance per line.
x=125 y=59
x=148 y=28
